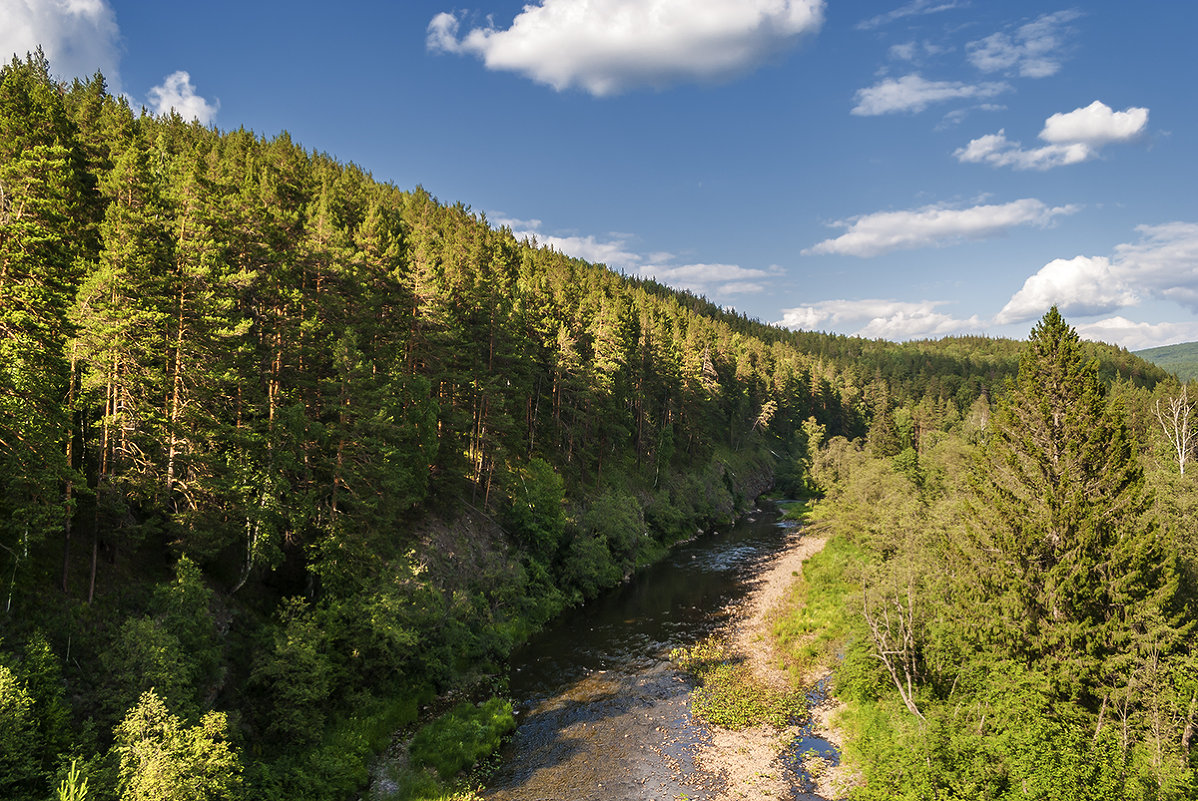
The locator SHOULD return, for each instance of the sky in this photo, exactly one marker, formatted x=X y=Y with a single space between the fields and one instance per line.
x=897 y=169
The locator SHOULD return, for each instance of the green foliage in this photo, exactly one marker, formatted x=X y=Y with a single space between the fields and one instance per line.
x=814 y=627
x=731 y=696
x=161 y=759
x=1180 y=359
x=1061 y=503
x=536 y=515
x=293 y=679
x=1023 y=626
x=185 y=608
x=74 y=786
x=20 y=774
x=143 y=656
x=457 y=740
x=222 y=346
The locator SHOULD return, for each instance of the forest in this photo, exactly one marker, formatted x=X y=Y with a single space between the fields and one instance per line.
x=1012 y=601
x=292 y=459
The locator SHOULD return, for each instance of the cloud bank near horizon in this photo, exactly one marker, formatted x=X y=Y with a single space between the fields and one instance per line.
x=1161 y=265
x=715 y=281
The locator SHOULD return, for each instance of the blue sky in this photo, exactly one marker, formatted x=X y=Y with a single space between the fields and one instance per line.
x=901 y=169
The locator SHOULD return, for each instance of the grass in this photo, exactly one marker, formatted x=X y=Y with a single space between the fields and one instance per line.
x=817 y=620
x=728 y=694
x=796 y=510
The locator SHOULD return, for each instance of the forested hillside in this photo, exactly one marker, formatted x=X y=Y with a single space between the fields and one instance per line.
x=285 y=451
x=1181 y=359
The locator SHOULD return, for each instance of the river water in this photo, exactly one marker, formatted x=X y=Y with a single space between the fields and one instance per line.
x=601 y=712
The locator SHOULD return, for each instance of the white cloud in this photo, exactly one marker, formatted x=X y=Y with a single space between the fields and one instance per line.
x=712 y=280
x=1095 y=125
x=609 y=46
x=1164 y=261
x=1074 y=137
x=1081 y=285
x=934 y=226
x=81 y=37
x=1163 y=265
x=997 y=150
x=613 y=251
x=912 y=93
x=1137 y=336
x=78 y=36
x=879 y=319
x=912 y=9
x=176 y=93
x=1034 y=50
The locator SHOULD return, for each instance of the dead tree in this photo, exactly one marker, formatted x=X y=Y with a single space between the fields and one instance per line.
x=1175 y=422
x=892 y=627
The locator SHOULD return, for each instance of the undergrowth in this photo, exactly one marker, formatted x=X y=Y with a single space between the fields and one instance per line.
x=451 y=756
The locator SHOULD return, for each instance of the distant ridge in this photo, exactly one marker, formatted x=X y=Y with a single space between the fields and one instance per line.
x=1180 y=359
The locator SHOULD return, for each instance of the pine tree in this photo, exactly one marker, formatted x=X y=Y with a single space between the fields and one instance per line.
x=39 y=197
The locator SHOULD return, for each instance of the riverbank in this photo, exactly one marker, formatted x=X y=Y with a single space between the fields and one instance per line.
x=750 y=762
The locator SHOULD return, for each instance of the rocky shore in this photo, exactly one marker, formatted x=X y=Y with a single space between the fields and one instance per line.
x=751 y=762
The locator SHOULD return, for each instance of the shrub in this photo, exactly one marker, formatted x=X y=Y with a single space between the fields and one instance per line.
x=459 y=739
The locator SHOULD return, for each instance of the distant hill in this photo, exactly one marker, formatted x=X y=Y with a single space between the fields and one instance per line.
x=1181 y=360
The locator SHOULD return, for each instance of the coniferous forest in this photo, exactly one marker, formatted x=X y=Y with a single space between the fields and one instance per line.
x=290 y=456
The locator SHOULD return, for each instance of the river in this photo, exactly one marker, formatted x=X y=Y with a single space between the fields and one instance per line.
x=601 y=712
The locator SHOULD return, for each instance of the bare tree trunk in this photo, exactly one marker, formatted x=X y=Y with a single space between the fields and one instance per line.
x=1175 y=423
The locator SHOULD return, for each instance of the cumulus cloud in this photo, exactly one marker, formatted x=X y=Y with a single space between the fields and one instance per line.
x=1034 y=50
x=1119 y=330
x=1081 y=285
x=933 y=226
x=1162 y=265
x=1095 y=125
x=913 y=9
x=78 y=36
x=609 y=46
x=1073 y=137
x=1164 y=261
x=879 y=319
x=913 y=93
x=998 y=151
x=177 y=94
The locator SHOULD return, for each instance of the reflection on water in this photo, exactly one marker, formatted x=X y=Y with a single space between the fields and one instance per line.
x=601 y=712
x=806 y=745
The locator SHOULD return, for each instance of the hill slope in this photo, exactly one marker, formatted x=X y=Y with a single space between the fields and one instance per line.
x=1181 y=359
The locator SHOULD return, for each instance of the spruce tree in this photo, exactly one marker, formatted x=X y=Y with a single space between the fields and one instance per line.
x=1063 y=548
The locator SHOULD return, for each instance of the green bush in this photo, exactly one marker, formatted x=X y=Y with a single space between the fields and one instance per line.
x=459 y=739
